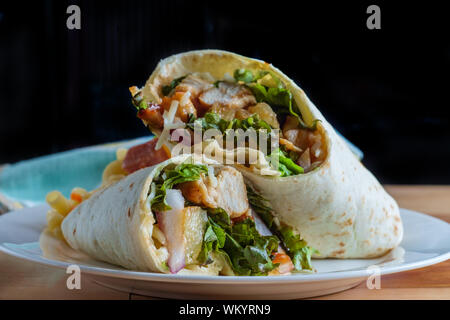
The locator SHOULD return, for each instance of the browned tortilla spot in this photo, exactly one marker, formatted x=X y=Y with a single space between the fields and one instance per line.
x=129 y=212
x=395 y=230
x=74 y=231
x=131 y=185
x=337 y=252
x=341 y=244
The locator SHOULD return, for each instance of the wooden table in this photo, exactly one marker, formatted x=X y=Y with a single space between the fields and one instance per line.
x=26 y=280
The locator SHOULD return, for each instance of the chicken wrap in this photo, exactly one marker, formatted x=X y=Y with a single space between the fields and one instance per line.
x=310 y=186
x=186 y=215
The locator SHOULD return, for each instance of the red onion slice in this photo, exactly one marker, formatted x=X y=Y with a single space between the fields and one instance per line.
x=172 y=225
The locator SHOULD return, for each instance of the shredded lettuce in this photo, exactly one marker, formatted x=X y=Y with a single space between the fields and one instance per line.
x=183 y=172
x=138 y=100
x=241 y=245
x=297 y=248
x=166 y=90
x=268 y=88
x=213 y=120
x=286 y=166
x=244 y=75
x=299 y=252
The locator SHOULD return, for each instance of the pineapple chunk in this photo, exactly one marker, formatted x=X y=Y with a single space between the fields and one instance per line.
x=194 y=230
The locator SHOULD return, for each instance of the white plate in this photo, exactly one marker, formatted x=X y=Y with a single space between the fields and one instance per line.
x=426 y=242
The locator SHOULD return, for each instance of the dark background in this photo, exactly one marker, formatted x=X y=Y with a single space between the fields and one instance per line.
x=385 y=90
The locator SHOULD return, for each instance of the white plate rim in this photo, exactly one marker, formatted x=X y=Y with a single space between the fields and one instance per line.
x=315 y=277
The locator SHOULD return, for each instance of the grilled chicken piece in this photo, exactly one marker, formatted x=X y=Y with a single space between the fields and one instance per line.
x=197 y=192
x=229 y=114
x=290 y=123
x=223 y=111
x=265 y=112
x=231 y=192
x=194 y=85
x=228 y=192
x=227 y=94
x=310 y=141
x=185 y=106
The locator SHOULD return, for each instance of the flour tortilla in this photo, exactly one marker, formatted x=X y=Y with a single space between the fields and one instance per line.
x=115 y=224
x=339 y=208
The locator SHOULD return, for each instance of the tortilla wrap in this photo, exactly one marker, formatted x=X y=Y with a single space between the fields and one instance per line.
x=115 y=224
x=339 y=208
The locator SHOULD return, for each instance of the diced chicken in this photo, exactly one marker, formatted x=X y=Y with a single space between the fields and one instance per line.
x=227 y=94
x=289 y=145
x=144 y=155
x=152 y=116
x=197 y=192
x=228 y=113
x=185 y=107
x=305 y=160
x=229 y=193
x=299 y=137
x=315 y=140
x=223 y=111
x=265 y=112
x=242 y=114
x=194 y=85
x=310 y=141
x=290 y=123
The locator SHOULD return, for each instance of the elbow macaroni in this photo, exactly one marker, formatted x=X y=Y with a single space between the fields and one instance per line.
x=60 y=206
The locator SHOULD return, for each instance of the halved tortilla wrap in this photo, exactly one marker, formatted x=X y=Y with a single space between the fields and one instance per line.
x=339 y=207
x=116 y=225
x=188 y=214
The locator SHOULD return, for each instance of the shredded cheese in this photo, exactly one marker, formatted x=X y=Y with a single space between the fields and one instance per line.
x=185 y=98
x=169 y=116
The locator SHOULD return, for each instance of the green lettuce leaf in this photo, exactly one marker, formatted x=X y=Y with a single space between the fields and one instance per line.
x=297 y=248
x=166 y=90
x=183 y=172
x=213 y=120
x=240 y=244
x=266 y=87
x=286 y=166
